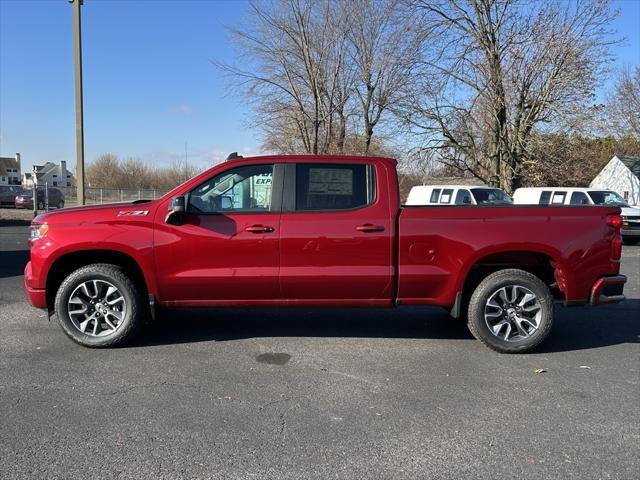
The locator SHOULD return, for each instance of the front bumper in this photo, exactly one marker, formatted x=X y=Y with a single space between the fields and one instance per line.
x=608 y=290
x=24 y=204
x=630 y=227
x=630 y=232
x=36 y=296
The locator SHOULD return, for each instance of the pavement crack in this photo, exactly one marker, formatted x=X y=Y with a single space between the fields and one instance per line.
x=268 y=404
x=143 y=386
x=283 y=424
x=353 y=377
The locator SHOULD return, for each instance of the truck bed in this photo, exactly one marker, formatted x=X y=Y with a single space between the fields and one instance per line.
x=438 y=246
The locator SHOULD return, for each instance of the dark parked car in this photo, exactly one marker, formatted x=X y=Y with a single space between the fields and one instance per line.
x=25 y=199
x=8 y=195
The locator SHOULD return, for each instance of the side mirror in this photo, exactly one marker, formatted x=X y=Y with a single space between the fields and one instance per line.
x=177 y=209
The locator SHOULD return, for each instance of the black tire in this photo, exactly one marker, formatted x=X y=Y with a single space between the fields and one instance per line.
x=490 y=285
x=630 y=241
x=61 y=204
x=133 y=318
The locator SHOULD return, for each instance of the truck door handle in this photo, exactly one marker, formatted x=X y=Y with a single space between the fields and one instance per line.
x=259 y=229
x=369 y=227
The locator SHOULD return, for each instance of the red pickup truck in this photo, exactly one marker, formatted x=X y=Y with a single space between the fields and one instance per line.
x=319 y=231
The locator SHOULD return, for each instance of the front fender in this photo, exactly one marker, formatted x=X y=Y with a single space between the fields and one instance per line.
x=134 y=240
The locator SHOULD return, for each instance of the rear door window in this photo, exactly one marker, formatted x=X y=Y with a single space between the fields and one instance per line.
x=463 y=197
x=333 y=186
x=545 y=196
x=447 y=193
x=558 y=198
x=435 y=194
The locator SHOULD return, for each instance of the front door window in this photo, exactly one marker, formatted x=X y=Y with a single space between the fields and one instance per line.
x=243 y=189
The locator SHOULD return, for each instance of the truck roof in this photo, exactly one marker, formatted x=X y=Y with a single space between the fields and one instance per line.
x=312 y=158
x=564 y=189
x=482 y=187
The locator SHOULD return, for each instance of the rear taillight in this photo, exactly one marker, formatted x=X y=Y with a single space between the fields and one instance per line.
x=614 y=221
x=616 y=247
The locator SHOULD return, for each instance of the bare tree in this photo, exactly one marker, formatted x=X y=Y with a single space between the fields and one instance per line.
x=624 y=105
x=385 y=50
x=104 y=172
x=134 y=173
x=177 y=172
x=571 y=159
x=495 y=70
x=107 y=171
x=285 y=46
x=322 y=73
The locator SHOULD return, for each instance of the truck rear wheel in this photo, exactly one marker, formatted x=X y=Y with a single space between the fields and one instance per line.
x=511 y=311
x=99 y=306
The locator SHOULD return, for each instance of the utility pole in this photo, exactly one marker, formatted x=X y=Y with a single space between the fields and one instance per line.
x=186 y=163
x=77 y=51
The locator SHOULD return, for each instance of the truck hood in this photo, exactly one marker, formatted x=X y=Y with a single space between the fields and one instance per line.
x=630 y=212
x=96 y=213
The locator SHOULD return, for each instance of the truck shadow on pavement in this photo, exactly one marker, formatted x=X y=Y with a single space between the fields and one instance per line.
x=12 y=262
x=184 y=326
x=587 y=327
x=574 y=328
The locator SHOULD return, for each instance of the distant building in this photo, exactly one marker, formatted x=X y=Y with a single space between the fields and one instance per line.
x=10 y=170
x=51 y=174
x=621 y=175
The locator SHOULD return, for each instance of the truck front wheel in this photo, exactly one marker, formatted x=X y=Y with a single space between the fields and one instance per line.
x=511 y=311
x=99 y=306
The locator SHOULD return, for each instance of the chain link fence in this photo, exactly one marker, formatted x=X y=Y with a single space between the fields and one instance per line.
x=107 y=195
x=49 y=197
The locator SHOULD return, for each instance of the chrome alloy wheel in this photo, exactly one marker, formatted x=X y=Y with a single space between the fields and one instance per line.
x=97 y=308
x=512 y=313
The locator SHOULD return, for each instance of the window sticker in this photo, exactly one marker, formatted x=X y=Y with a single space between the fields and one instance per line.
x=330 y=181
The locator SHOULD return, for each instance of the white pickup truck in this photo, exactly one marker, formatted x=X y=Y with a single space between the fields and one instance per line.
x=457 y=195
x=584 y=196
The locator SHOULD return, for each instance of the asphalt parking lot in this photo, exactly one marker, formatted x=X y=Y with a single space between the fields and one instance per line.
x=317 y=394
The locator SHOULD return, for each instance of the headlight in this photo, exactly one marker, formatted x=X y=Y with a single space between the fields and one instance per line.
x=625 y=221
x=38 y=231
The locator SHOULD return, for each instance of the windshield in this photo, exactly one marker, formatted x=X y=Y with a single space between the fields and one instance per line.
x=607 y=198
x=491 y=195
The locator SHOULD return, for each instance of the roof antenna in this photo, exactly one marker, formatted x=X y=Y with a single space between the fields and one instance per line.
x=233 y=156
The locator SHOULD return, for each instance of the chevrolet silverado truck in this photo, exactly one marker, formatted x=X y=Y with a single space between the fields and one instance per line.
x=319 y=231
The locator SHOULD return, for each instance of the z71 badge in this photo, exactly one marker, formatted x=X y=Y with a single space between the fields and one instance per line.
x=132 y=213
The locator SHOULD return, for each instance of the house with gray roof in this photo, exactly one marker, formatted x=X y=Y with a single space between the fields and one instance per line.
x=621 y=175
x=54 y=175
x=10 y=170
